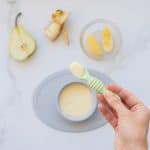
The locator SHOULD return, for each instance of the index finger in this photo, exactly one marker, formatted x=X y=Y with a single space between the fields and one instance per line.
x=127 y=97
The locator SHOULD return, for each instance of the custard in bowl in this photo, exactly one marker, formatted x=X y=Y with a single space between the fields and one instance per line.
x=76 y=102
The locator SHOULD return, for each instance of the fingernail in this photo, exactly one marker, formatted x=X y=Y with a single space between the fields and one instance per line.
x=99 y=105
x=108 y=94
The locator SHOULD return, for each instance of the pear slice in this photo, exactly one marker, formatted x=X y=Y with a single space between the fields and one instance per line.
x=53 y=30
x=94 y=48
x=107 y=39
x=21 y=44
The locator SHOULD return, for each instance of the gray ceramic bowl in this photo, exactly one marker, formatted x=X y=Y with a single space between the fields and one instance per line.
x=80 y=118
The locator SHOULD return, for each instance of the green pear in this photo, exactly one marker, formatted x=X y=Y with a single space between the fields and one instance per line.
x=21 y=44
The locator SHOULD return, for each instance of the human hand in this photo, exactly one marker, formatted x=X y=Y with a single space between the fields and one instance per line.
x=128 y=116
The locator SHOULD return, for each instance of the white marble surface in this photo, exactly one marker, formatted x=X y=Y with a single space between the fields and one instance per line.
x=19 y=127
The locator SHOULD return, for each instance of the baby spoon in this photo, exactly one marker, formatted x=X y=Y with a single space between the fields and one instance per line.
x=80 y=72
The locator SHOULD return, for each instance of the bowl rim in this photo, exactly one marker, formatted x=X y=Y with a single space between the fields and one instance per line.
x=88 y=25
x=80 y=118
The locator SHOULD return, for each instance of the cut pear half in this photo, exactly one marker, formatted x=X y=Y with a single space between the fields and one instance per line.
x=21 y=44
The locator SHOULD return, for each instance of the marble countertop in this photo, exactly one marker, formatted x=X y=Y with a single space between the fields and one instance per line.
x=19 y=127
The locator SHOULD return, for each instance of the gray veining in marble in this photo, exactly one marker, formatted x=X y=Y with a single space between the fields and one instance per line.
x=19 y=129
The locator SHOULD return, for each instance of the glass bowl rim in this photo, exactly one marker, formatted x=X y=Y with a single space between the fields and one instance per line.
x=88 y=25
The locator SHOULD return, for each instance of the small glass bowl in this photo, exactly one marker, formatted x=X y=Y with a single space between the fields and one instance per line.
x=94 y=28
x=79 y=118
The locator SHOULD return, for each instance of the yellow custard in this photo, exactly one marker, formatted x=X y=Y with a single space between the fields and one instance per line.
x=76 y=100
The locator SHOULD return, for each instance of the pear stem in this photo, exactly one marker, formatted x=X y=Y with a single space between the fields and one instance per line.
x=16 y=20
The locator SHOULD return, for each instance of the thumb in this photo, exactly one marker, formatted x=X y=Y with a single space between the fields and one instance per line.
x=115 y=102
